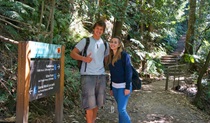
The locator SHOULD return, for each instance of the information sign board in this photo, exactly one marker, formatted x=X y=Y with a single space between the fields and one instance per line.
x=44 y=69
x=40 y=73
x=45 y=77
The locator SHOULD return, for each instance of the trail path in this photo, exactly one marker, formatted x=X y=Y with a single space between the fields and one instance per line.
x=155 y=105
x=151 y=105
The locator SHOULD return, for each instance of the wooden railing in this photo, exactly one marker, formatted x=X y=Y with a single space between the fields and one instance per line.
x=176 y=71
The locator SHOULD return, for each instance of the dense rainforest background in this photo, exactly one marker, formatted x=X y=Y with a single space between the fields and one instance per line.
x=150 y=29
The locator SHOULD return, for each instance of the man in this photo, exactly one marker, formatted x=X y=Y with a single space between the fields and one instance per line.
x=93 y=77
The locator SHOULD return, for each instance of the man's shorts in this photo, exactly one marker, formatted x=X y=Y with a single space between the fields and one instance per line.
x=93 y=91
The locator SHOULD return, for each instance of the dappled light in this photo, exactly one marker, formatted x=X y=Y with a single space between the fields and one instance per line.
x=158 y=118
x=168 y=43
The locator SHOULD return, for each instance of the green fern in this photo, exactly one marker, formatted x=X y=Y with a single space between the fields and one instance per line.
x=12 y=31
x=15 y=10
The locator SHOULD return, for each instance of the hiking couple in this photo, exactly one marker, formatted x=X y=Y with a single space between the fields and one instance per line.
x=93 y=76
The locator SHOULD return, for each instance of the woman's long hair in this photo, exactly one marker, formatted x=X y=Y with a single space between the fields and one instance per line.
x=113 y=58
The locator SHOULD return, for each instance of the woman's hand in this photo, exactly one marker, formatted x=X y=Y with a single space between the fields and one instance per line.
x=126 y=92
x=111 y=92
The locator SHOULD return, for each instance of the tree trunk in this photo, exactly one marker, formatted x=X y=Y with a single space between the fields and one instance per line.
x=52 y=21
x=117 y=28
x=191 y=28
x=202 y=2
x=199 y=84
x=99 y=3
x=41 y=16
x=142 y=22
x=119 y=21
x=147 y=27
x=200 y=16
x=90 y=14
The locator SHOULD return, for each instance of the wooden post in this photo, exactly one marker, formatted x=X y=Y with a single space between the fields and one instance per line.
x=59 y=94
x=167 y=78
x=23 y=83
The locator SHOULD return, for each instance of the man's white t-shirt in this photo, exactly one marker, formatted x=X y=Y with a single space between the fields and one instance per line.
x=96 y=48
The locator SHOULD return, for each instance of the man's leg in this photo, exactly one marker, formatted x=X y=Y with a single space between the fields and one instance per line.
x=95 y=110
x=89 y=116
x=88 y=96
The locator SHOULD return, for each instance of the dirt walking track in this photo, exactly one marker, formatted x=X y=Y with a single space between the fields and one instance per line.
x=152 y=105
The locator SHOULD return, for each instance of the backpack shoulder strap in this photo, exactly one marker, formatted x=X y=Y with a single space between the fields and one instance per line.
x=85 y=51
x=105 y=44
x=86 y=46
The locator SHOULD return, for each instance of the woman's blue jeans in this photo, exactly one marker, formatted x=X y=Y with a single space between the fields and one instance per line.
x=122 y=102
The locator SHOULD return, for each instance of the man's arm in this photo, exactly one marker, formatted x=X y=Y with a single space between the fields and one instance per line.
x=75 y=54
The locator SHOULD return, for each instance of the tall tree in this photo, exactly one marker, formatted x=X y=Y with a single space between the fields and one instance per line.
x=118 y=24
x=199 y=84
x=201 y=20
x=52 y=20
x=191 y=28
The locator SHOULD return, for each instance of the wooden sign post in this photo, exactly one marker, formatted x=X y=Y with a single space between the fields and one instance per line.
x=40 y=74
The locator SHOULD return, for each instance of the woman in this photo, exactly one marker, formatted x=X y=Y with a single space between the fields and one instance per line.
x=121 y=76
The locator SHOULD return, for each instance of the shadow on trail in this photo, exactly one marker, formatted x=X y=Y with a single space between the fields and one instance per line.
x=153 y=104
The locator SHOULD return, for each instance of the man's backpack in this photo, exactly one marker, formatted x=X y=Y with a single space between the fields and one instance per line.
x=136 y=81
x=84 y=53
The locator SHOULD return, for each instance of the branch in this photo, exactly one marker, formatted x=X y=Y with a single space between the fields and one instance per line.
x=2 y=38
x=2 y=83
x=202 y=33
x=11 y=24
x=13 y=20
x=3 y=18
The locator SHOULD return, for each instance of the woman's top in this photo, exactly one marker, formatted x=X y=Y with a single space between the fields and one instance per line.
x=121 y=72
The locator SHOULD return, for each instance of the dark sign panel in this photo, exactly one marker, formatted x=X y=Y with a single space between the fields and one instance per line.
x=45 y=78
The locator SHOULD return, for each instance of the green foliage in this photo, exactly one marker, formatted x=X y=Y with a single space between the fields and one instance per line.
x=15 y=10
x=154 y=67
x=72 y=88
x=8 y=76
x=40 y=108
x=7 y=98
x=12 y=31
x=203 y=52
x=208 y=92
x=62 y=22
x=15 y=15
x=204 y=101
x=26 y=16
x=3 y=96
x=171 y=36
x=189 y=58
